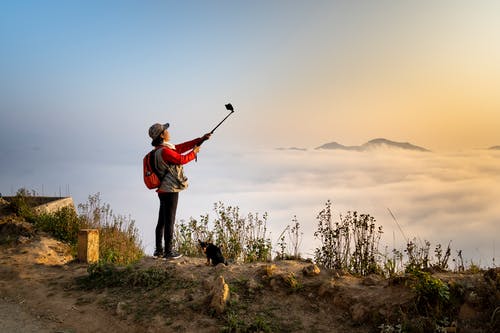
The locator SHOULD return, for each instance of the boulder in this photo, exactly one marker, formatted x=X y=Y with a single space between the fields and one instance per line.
x=219 y=295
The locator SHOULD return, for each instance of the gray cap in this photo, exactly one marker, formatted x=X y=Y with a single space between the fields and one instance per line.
x=156 y=129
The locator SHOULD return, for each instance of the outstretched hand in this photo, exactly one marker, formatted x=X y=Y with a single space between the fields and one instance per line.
x=207 y=136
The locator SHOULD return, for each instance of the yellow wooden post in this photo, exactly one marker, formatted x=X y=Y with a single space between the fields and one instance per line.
x=88 y=245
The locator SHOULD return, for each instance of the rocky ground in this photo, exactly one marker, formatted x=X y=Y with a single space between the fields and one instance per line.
x=42 y=289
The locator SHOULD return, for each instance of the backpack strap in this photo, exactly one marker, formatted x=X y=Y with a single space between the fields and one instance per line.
x=152 y=162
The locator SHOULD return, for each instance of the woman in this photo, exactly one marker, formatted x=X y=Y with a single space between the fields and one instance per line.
x=169 y=160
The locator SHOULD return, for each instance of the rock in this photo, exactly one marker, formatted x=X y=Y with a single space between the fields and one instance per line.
x=220 y=268
x=328 y=288
x=268 y=270
x=358 y=312
x=219 y=295
x=311 y=270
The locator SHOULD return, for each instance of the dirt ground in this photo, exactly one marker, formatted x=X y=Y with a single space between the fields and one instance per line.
x=40 y=292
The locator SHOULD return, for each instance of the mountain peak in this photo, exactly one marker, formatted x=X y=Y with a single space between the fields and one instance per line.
x=374 y=144
x=382 y=143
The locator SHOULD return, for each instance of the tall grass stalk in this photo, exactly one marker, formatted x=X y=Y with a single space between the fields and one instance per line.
x=242 y=238
x=119 y=240
x=350 y=243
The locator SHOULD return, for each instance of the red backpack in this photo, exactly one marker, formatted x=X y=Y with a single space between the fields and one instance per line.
x=149 y=171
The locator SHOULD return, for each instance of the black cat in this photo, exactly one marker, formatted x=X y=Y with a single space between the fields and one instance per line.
x=213 y=253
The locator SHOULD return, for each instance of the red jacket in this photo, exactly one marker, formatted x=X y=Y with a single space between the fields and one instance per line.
x=176 y=156
x=171 y=165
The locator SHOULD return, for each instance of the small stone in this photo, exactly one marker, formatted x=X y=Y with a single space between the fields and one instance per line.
x=311 y=270
x=121 y=309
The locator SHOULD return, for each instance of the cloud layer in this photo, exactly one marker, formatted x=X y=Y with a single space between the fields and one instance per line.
x=434 y=196
x=440 y=197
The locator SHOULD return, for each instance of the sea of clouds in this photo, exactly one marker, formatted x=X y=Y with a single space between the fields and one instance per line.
x=439 y=197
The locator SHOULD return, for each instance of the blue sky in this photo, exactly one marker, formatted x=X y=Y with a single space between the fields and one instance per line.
x=300 y=73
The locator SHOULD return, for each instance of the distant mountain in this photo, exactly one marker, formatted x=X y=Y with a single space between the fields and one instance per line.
x=373 y=145
x=494 y=148
x=335 y=145
x=291 y=148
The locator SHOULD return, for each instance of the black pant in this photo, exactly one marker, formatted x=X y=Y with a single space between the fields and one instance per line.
x=166 y=220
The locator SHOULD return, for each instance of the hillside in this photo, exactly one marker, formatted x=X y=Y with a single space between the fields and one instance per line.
x=373 y=145
x=42 y=289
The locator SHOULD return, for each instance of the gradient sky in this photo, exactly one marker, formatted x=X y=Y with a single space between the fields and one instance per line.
x=82 y=81
x=300 y=73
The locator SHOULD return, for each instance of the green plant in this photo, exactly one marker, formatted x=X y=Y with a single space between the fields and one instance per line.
x=418 y=256
x=119 y=240
x=63 y=224
x=286 y=251
x=188 y=234
x=107 y=275
x=350 y=243
x=432 y=294
x=240 y=238
x=292 y=282
x=386 y=328
x=442 y=259
x=234 y=323
x=22 y=204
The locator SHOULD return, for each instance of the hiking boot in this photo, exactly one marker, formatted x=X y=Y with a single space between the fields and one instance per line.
x=158 y=253
x=172 y=255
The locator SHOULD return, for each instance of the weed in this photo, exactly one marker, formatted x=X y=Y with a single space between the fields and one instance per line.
x=442 y=259
x=432 y=294
x=106 y=275
x=240 y=238
x=119 y=240
x=63 y=224
x=386 y=328
x=350 y=244
x=22 y=204
x=294 y=239
x=292 y=282
x=188 y=234
x=234 y=323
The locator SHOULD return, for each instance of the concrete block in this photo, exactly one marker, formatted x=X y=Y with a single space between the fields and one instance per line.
x=88 y=245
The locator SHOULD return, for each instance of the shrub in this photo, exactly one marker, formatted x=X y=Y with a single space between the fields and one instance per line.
x=22 y=204
x=241 y=238
x=63 y=224
x=119 y=240
x=433 y=295
x=350 y=244
x=187 y=235
x=107 y=275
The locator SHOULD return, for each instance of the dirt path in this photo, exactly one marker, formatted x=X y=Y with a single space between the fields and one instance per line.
x=15 y=318
x=35 y=294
